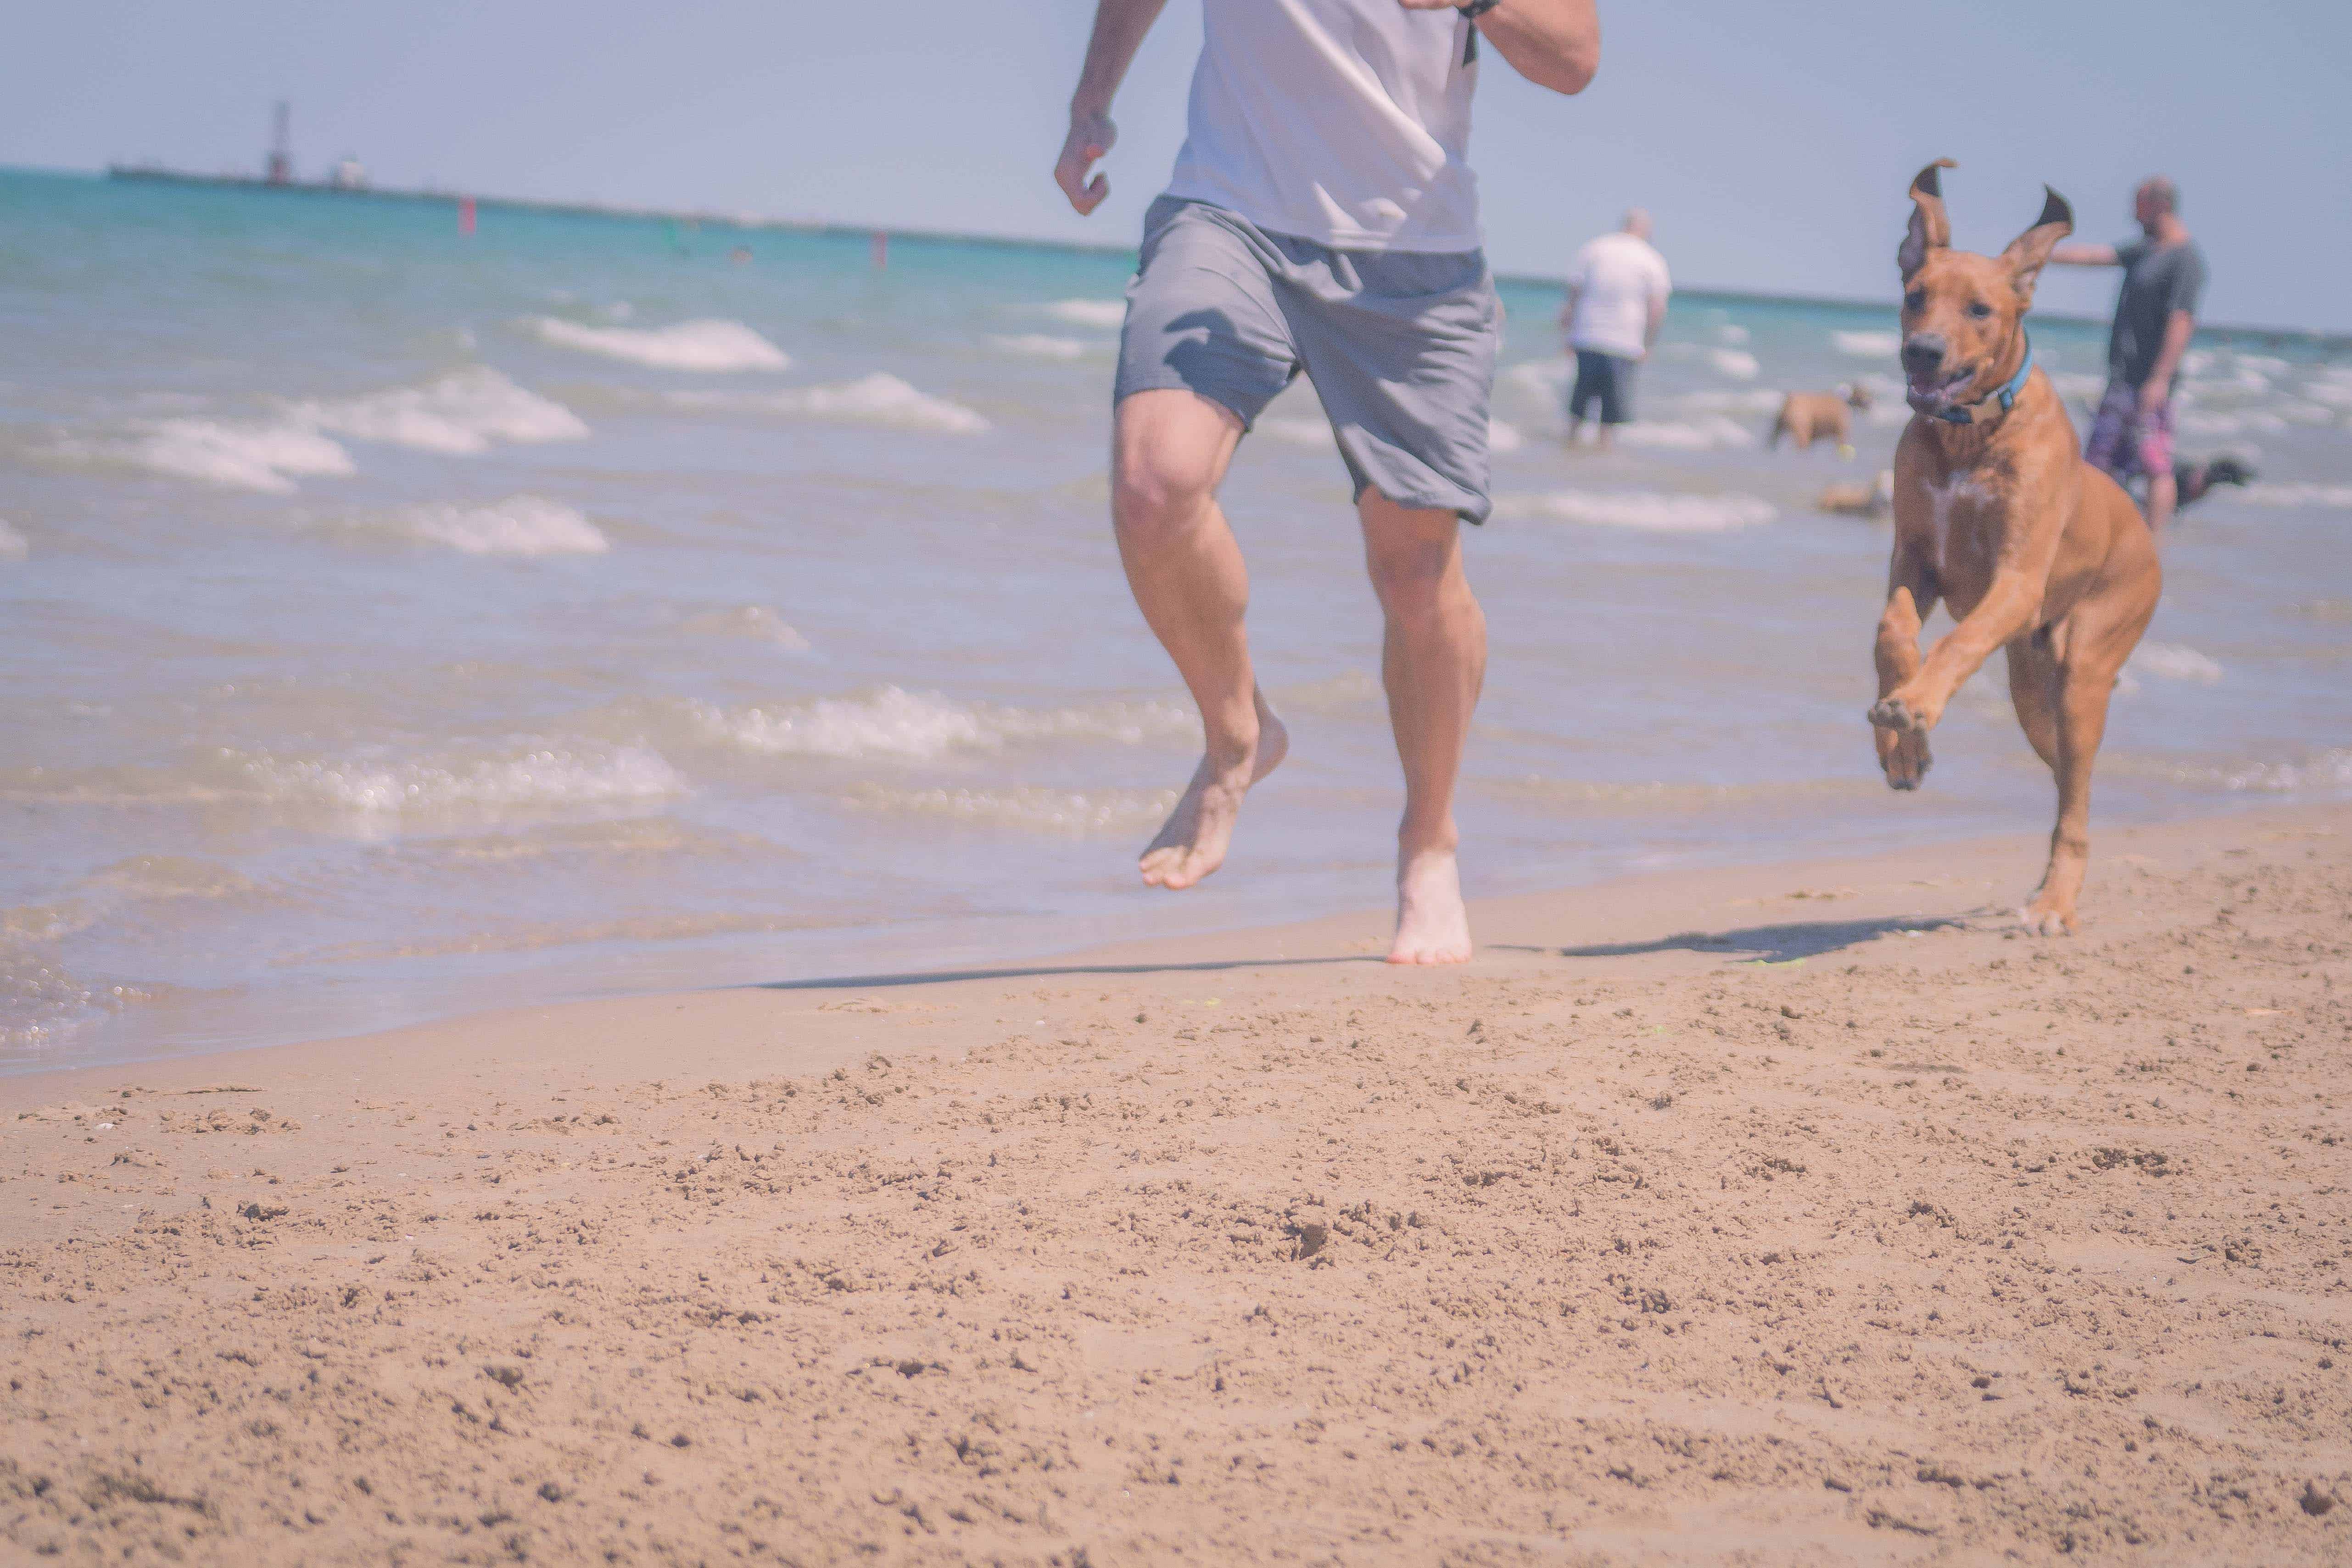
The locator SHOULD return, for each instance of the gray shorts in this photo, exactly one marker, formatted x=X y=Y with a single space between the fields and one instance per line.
x=1401 y=345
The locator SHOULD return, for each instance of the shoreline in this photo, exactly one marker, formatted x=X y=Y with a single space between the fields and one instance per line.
x=1364 y=929
x=1810 y=1212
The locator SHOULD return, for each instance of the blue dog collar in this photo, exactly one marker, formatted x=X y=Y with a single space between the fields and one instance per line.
x=1983 y=408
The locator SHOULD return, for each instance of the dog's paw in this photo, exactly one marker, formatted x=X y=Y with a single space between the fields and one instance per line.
x=1903 y=757
x=2043 y=918
x=1894 y=713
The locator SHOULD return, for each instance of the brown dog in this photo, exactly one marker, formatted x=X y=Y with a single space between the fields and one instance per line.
x=1807 y=417
x=1997 y=514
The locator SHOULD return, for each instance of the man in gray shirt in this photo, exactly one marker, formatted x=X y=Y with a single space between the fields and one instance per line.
x=2156 y=315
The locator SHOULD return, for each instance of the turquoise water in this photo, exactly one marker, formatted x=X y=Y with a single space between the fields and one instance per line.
x=401 y=622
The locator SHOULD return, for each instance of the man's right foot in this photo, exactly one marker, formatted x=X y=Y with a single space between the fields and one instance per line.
x=1191 y=843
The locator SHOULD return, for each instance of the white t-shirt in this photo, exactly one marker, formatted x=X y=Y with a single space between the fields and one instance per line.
x=1342 y=122
x=1617 y=276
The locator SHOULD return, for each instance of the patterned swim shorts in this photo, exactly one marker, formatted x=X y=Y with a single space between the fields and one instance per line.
x=2125 y=442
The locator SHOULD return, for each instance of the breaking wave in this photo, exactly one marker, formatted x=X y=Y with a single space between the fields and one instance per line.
x=1109 y=315
x=2267 y=495
x=2173 y=661
x=517 y=525
x=1076 y=813
x=1868 y=345
x=1710 y=434
x=709 y=344
x=265 y=457
x=1039 y=346
x=895 y=722
x=460 y=413
x=1650 y=511
x=877 y=399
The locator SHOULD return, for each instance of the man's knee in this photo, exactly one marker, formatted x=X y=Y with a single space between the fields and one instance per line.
x=1416 y=562
x=1168 y=451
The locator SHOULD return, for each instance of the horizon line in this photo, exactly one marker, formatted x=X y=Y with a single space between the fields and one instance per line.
x=752 y=223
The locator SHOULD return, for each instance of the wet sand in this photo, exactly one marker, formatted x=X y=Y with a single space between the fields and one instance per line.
x=1791 y=1214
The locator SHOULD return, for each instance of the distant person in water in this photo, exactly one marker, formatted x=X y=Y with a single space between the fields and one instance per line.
x=1322 y=218
x=1617 y=291
x=2155 y=316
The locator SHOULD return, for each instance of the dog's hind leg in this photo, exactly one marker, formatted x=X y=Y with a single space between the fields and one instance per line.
x=2082 y=722
x=1902 y=754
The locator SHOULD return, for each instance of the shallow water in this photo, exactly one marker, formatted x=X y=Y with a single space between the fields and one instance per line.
x=400 y=624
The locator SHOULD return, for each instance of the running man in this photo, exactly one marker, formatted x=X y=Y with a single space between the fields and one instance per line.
x=2156 y=315
x=1322 y=218
x=1617 y=293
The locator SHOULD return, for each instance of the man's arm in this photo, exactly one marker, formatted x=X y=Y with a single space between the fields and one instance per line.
x=1119 y=27
x=2085 y=256
x=1567 y=304
x=1552 y=43
x=2178 y=328
x=1656 y=322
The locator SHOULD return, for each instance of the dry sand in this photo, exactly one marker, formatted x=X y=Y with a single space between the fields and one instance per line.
x=1855 y=1227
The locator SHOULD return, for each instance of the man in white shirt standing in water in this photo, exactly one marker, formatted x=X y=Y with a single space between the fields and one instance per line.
x=1321 y=218
x=1617 y=293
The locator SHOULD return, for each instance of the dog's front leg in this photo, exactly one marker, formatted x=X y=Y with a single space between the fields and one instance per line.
x=1902 y=754
x=2007 y=609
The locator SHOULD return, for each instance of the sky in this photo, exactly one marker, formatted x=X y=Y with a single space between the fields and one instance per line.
x=1772 y=144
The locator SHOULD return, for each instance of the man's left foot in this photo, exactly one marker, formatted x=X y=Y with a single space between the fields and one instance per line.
x=1432 y=927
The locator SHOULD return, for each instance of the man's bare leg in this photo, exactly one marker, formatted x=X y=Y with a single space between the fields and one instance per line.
x=1575 y=429
x=1432 y=662
x=1168 y=451
x=2163 y=500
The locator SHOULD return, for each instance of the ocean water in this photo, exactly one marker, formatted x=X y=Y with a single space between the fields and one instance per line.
x=399 y=623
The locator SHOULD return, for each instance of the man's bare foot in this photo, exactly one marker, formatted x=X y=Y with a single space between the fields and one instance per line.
x=1191 y=843
x=1432 y=926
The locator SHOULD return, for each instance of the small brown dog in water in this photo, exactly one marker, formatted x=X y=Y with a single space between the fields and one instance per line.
x=1807 y=417
x=1997 y=514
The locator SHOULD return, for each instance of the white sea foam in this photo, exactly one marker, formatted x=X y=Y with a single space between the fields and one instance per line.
x=517 y=525
x=1731 y=400
x=2331 y=384
x=2214 y=427
x=2174 y=662
x=14 y=545
x=2293 y=495
x=1868 y=345
x=1649 y=510
x=547 y=777
x=2328 y=770
x=1296 y=431
x=1709 y=433
x=1028 y=808
x=1538 y=378
x=461 y=413
x=1737 y=363
x=915 y=726
x=1504 y=436
x=266 y=457
x=877 y=399
x=1109 y=315
x=702 y=345
x=1730 y=334
x=1040 y=346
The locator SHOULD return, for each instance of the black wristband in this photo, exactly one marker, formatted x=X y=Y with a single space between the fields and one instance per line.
x=1476 y=8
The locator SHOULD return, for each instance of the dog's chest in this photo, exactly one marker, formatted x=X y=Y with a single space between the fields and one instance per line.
x=1949 y=504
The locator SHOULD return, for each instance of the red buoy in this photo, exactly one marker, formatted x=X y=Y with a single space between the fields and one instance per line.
x=465 y=214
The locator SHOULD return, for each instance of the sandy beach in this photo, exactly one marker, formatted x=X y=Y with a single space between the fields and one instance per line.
x=1799 y=1213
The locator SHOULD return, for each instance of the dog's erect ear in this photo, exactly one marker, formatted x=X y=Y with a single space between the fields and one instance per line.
x=1930 y=229
x=2028 y=250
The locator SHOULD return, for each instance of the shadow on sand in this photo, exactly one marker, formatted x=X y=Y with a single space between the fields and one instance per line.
x=1783 y=944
